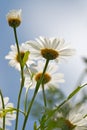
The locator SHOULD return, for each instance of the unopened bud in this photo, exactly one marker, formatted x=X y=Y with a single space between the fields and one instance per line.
x=14 y=18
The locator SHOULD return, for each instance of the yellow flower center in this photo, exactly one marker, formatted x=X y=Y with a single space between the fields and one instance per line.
x=49 y=54
x=14 y=22
x=69 y=124
x=46 y=78
x=22 y=56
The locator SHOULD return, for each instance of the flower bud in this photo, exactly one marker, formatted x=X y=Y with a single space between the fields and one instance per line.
x=14 y=18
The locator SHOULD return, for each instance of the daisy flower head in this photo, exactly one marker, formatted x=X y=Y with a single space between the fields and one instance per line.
x=14 y=18
x=77 y=119
x=51 y=76
x=51 y=48
x=13 y=55
x=9 y=115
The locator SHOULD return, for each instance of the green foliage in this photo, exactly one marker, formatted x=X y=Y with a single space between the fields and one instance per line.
x=46 y=115
x=53 y=97
x=1 y=129
x=74 y=92
x=55 y=124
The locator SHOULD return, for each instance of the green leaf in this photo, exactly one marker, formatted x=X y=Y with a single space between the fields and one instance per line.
x=25 y=58
x=75 y=91
x=42 y=122
x=11 y=110
x=58 y=123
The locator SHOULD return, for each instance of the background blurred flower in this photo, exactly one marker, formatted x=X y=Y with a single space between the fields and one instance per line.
x=9 y=115
x=51 y=77
x=77 y=118
x=13 y=55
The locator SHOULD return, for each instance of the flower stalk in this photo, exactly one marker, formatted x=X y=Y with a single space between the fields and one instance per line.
x=22 y=78
x=3 y=106
x=34 y=95
x=44 y=95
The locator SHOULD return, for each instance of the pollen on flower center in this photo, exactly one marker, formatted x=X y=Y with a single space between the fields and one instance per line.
x=22 y=56
x=50 y=54
x=46 y=78
x=69 y=124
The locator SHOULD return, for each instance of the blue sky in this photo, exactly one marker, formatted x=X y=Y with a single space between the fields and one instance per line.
x=61 y=18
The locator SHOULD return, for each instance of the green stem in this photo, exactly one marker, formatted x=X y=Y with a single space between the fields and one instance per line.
x=35 y=93
x=16 y=40
x=13 y=109
x=26 y=100
x=44 y=95
x=3 y=106
x=18 y=105
x=22 y=79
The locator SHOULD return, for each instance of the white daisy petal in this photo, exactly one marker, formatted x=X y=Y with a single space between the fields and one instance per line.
x=76 y=118
x=51 y=48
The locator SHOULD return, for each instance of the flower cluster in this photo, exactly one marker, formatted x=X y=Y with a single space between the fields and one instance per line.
x=37 y=61
x=49 y=49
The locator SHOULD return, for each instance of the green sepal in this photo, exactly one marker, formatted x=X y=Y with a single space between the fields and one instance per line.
x=25 y=58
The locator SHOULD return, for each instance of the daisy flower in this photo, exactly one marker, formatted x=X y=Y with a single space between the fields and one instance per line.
x=51 y=48
x=77 y=119
x=14 y=18
x=9 y=116
x=51 y=76
x=13 y=55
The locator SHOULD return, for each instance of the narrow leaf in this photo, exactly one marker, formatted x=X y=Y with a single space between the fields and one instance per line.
x=75 y=91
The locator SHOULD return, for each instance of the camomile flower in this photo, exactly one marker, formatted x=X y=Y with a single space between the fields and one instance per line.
x=51 y=48
x=14 y=18
x=51 y=76
x=9 y=115
x=76 y=119
x=13 y=55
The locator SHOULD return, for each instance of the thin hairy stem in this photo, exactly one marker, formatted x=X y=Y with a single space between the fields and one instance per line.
x=22 y=79
x=3 y=106
x=35 y=93
x=26 y=100
x=44 y=96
